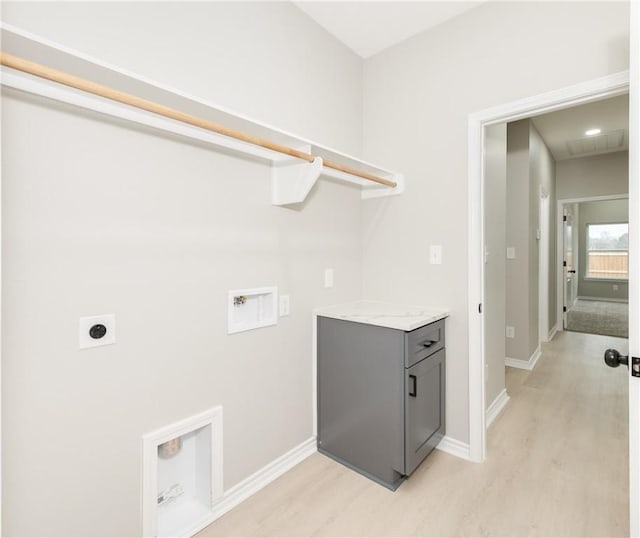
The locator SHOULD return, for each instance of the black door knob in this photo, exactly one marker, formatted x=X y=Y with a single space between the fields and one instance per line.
x=613 y=358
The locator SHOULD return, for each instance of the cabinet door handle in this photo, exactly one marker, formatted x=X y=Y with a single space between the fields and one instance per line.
x=429 y=343
x=414 y=392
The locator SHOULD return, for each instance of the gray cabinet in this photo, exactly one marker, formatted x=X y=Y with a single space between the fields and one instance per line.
x=381 y=404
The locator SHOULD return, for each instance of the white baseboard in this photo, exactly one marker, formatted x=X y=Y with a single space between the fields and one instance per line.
x=258 y=480
x=522 y=364
x=605 y=299
x=552 y=332
x=496 y=407
x=454 y=447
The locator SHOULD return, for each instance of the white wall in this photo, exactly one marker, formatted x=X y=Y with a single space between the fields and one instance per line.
x=267 y=60
x=102 y=217
x=495 y=227
x=521 y=301
x=418 y=95
x=530 y=171
x=600 y=175
x=542 y=168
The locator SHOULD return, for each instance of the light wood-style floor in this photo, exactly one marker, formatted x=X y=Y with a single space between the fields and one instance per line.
x=557 y=465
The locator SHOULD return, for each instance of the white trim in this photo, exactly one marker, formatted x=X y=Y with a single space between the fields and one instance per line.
x=521 y=363
x=585 y=92
x=634 y=266
x=1 y=302
x=605 y=280
x=544 y=212
x=475 y=211
x=620 y=196
x=603 y=299
x=454 y=447
x=553 y=331
x=496 y=407
x=258 y=480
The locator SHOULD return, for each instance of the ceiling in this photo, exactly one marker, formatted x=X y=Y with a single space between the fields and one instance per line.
x=564 y=130
x=368 y=27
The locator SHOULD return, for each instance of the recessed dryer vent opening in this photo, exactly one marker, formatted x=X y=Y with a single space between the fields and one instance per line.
x=182 y=468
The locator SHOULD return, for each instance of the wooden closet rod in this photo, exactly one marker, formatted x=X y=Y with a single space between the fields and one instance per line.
x=54 y=75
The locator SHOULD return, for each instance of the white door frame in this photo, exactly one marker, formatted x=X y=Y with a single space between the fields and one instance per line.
x=609 y=86
x=543 y=266
x=634 y=266
x=560 y=245
x=594 y=90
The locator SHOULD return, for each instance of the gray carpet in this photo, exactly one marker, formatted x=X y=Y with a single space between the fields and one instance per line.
x=599 y=317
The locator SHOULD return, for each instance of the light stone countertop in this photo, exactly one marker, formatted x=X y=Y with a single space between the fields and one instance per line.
x=393 y=316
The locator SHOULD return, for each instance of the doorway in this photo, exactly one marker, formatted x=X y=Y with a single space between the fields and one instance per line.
x=583 y=93
x=593 y=245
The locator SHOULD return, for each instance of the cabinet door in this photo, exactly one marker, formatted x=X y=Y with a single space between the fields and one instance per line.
x=424 y=417
x=361 y=397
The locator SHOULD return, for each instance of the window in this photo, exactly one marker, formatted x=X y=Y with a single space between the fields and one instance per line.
x=608 y=251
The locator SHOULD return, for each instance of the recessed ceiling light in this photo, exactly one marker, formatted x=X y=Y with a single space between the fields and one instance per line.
x=592 y=132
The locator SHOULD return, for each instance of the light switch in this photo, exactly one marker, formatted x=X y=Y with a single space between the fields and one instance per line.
x=511 y=253
x=435 y=254
x=328 y=278
x=284 y=305
x=511 y=332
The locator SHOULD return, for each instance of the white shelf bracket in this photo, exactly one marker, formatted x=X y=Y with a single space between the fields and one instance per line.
x=291 y=182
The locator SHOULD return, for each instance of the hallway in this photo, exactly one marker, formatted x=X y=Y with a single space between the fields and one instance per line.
x=557 y=465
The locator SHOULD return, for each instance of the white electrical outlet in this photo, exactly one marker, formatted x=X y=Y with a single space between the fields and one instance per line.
x=328 y=278
x=435 y=254
x=511 y=332
x=615 y=287
x=511 y=253
x=284 y=305
x=97 y=331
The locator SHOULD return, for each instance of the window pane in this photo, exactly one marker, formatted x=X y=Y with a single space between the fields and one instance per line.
x=608 y=236
x=607 y=255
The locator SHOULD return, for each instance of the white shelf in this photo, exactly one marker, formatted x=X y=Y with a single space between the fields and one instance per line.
x=292 y=179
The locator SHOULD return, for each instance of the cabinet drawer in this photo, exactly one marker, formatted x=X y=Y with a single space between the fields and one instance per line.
x=422 y=342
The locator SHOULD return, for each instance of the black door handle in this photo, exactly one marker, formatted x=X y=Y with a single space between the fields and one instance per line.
x=613 y=358
x=414 y=392
x=571 y=271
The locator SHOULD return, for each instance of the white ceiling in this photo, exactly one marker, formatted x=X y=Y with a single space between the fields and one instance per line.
x=566 y=127
x=367 y=27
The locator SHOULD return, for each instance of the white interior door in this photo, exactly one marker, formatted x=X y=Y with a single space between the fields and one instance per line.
x=569 y=259
x=634 y=268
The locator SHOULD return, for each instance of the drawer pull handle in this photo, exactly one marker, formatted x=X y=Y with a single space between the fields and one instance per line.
x=414 y=392
x=429 y=343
